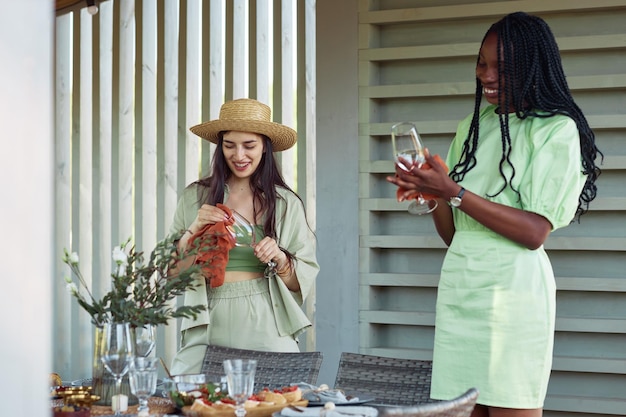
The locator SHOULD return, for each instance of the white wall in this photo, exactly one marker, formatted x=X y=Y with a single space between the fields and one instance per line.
x=25 y=214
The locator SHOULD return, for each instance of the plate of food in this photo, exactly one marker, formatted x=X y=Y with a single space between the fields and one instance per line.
x=261 y=404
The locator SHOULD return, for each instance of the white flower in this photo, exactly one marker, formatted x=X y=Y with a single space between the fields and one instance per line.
x=73 y=259
x=72 y=288
x=119 y=256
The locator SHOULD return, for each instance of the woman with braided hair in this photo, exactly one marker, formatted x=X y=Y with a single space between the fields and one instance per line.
x=522 y=166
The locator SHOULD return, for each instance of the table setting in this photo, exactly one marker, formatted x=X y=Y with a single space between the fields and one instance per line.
x=124 y=377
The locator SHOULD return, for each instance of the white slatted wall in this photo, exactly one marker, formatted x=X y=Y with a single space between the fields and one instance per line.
x=416 y=63
x=130 y=81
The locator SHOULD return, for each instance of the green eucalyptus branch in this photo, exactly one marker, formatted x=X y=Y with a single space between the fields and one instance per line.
x=141 y=293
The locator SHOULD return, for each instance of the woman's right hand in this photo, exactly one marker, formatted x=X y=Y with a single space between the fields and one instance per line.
x=207 y=214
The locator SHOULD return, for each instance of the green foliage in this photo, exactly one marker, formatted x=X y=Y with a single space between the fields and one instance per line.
x=141 y=292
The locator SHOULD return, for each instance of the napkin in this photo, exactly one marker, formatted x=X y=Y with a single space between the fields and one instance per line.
x=343 y=411
x=401 y=191
x=213 y=242
x=324 y=394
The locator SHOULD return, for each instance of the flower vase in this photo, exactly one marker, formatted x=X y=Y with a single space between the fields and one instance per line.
x=102 y=382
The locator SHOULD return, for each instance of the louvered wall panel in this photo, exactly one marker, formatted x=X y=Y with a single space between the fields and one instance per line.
x=416 y=63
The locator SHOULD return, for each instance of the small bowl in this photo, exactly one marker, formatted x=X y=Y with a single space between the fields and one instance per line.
x=82 y=400
x=189 y=382
x=184 y=389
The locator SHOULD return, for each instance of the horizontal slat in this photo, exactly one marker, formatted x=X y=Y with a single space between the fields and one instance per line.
x=395 y=241
x=432 y=280
x=399 y=280
x=586 y=364
x=591 y=284
x=597 y=122
x=481 y=10
x=576 y=83
x=413 y=318
x=560 y=363
x=586 y=243
x=390 y=204
x=464 y=49
x=616 y=244
x=591 y=325
x=386 y=166
x=578 y=404
x=563 y=324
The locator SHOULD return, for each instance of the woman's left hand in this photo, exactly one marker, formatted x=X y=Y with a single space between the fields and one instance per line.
x=267 y=250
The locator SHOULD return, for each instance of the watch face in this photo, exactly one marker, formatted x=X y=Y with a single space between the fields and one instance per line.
x=455 y=201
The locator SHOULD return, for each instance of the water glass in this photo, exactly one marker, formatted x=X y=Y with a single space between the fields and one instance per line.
x=143 y=380
x=240 y=377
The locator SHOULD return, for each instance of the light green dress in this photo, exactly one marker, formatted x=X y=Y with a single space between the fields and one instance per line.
x=496 y=299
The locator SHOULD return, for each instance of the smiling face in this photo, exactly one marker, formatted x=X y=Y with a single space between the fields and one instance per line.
x=243 y=152
x=487 y=70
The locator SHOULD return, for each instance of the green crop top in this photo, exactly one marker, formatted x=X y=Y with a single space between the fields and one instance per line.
x=241 y=258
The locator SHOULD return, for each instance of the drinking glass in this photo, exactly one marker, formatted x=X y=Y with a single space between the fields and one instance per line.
x=117 y=353
x=244 y=234
x=240 y=377
x=242 y=230
x=408 y=152
x=142 y=375
x=143 y=339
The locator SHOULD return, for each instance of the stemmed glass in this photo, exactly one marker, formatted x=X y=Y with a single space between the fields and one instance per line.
x=117 y=353
x=244 y=234
x=242 y=230
x=142 y=376
x=143 y=339
x=240 y=377
x=408 y=152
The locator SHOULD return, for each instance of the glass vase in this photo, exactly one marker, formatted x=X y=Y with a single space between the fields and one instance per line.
x=102 y=382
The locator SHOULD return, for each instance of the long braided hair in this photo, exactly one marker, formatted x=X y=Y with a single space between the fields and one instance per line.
x=535 y=86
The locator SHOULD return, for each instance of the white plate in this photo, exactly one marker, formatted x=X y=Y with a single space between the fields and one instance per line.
x=346 y=404
x=346 y=410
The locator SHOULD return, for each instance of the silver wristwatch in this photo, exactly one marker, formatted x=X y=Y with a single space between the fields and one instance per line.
x=457 y=199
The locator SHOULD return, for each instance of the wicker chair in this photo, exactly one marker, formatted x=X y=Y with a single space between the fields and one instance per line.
x=461 y=406
x=389 y=381
x=274 y=369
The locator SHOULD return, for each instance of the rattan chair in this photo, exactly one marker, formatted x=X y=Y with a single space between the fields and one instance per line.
x=389 y=381
x=274 y=369
x=461 y=406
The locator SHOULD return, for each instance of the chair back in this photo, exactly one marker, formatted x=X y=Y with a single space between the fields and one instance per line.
x=389 y=381
x=461 y=406
x=274 y=369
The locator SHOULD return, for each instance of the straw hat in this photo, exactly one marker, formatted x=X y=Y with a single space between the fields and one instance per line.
x=247 y=115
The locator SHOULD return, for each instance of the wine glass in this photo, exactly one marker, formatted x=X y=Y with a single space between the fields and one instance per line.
x=240 y=377
x=117 y=353
x=143 y=339
x=408 y=152
x=242 y=230
x=142 y=375
x=244 y=234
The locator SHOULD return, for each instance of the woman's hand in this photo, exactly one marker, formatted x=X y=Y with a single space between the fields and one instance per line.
x=207 y=214
x=267 y=250
x=433 y=180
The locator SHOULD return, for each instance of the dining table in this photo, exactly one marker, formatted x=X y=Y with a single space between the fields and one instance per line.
x=326 y=403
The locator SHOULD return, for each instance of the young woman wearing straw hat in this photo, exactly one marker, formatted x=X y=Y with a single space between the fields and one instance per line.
x=256 y=307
